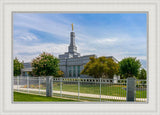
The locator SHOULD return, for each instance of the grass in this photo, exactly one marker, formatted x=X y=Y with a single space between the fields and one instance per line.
x=22 y=97
x=89 y=99
x=106 y=89
x=93 y=88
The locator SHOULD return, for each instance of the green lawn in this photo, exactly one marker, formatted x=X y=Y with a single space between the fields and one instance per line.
x=22 y=97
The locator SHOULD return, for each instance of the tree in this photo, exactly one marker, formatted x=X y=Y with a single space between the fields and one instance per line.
x=45 y=65
x=100 y=67
x=30 y=73
x=129 y=67
x=17 y=67
x=60 y=73
x=142 y=74
x=113 y=68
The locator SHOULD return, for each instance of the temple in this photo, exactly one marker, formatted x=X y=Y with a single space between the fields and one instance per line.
x=71 y=62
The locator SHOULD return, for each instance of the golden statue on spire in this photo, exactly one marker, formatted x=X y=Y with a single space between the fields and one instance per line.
x=72 y=26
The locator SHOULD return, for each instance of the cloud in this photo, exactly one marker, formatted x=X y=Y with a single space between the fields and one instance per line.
x=106 y=42
x=27 y=53
x=42 y=24
x=119 y=47
x=26 y=36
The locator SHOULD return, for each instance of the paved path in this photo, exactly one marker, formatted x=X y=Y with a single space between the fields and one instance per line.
x=80 y=94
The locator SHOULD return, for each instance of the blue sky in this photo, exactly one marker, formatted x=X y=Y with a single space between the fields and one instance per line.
x=104 y=34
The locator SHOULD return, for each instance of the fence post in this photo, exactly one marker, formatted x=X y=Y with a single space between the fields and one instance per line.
x=61 y=86
x=28 y=84
x=52 y=86
x=100 y=88
x=131 y=89
x=78 y=88
x=39 y=85
x=49 y=86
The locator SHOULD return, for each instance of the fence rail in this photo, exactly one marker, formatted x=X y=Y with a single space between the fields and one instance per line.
x=82 y=89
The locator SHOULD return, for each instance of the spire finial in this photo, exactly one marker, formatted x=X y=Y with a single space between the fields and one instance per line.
x=72 y=26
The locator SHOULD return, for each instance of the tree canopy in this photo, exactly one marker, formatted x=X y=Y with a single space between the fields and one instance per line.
x=142 y=74
x=45 y=65
x=101 y=67
x=17 y=67
x=129 y=67
x=60 y=73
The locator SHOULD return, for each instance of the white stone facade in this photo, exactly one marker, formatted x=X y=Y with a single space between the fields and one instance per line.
x=73 y=66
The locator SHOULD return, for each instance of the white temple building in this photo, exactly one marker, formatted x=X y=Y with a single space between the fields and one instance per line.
x=71 y=62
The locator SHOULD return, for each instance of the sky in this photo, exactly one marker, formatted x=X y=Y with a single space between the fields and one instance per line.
x=105 y=34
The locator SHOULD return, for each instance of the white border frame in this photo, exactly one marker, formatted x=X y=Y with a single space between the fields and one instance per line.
x=150 y=6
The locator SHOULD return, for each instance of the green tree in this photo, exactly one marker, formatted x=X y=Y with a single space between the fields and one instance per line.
x=129 y=67
x=100 y=67
x=142 y=74
x=60 y=73
x=113 y=68
x=30 y=73
x=45 y=65
x=17 y=67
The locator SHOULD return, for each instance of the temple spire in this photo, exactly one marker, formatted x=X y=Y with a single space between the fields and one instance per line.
x=72 y=26
x=72 y=47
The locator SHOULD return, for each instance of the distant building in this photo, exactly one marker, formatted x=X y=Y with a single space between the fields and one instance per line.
x=27 y=68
